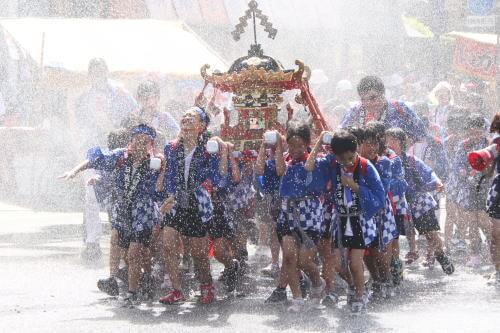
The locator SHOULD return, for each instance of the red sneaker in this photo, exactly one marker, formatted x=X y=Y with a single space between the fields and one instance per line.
x=172 y=297
x=207 y=293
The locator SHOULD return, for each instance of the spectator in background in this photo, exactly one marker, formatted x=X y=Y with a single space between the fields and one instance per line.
x=441 y=96
x=148 y=96
x=374 y=106
x=98 y=111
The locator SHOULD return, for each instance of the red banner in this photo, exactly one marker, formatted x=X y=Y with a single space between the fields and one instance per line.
x=475 y=58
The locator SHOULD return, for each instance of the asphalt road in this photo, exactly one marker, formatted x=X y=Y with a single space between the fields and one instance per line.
x=45 y=287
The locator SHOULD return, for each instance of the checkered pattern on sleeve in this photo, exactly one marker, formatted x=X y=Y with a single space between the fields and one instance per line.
x=422 y=203
x=241 y=195
x=308 y=212
x=387 y=229
x=492 y=200
x=401 y=203
x=205 y=207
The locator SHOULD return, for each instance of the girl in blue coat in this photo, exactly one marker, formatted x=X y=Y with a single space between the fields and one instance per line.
x=187 y=171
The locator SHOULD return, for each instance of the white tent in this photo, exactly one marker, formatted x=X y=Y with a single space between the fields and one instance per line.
x=127 y=45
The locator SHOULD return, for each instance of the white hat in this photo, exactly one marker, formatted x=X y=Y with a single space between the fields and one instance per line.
x=343 y=85
x=318 y=76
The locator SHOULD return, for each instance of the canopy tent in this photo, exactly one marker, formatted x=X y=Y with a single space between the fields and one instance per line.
x=128 y=46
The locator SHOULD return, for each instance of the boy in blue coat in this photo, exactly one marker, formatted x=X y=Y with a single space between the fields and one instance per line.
x=300 y=217
x=358 y=195
x=421 y=181
x=134 y=215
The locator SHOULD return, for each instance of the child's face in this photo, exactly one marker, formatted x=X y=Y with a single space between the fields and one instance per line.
x=369 y=148
x=191 y=122
x=296 y=147
x=394 y=144
x=141 y=143
x=347 y=159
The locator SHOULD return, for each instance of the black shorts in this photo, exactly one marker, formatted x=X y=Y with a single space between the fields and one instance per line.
x=326 y=233
x=187 y=222
x=283 y=231
x=126 y=237
x=220 y=225
x=356 y=241
x=427 y=222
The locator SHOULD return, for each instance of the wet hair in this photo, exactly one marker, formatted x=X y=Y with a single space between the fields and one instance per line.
x=371 y=83
x=148 y=88
x=299 y=129
x=97 y=64
x=495 y=124
x=358 y=132
x=118 y=138
x=475 y=121
x=343 y=141
x=399 y=135
x=375 y=129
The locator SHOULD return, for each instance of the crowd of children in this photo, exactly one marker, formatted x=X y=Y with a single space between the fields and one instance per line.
x=333 y=206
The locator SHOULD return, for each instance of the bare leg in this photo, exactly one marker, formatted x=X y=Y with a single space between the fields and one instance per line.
x=199 y=251
x=135 y=252
x=114 y=254
x=327 y=259
x=341 y=269
x=171 y=242
x=495 y=243
x=222 y=252
x=307 y=264
x=357 y=271
x=289 y=265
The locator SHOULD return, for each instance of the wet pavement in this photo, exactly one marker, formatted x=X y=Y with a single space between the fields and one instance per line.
x=47 y=288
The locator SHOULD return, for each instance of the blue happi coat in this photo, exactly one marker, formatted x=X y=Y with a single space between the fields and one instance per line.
x=142 y=212
x=396 y=114
x=299 y=192
x=372 y=197
x=421 y=182
x=399 y=185
x=384 y=219
x=204 y=168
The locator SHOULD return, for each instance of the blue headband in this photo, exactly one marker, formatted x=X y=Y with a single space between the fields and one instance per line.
x=203 y=115
x=143 y=129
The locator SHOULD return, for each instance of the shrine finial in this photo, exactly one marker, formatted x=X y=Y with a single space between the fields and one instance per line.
x=253 y=12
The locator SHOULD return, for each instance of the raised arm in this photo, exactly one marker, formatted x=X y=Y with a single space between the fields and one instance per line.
x=260 y=164
x=318 y=147
x=75 y=171
x=280 y=158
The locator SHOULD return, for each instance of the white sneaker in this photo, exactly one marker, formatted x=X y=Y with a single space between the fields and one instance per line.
x=358 y=307
x=298 y=305
x=317 y=293
x=474 y=261
x=494 y=279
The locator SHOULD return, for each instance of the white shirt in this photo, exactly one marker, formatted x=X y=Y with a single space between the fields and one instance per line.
x=187 y=165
